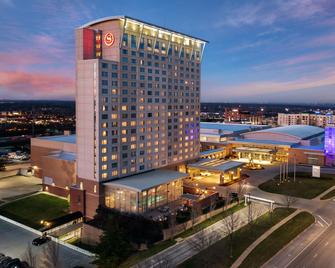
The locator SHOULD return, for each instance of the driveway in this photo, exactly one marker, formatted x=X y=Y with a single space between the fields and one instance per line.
x=16 y=186
x=15 y=240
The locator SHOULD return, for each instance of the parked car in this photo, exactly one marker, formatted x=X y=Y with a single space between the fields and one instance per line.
x=40 y=240
x=13 y=263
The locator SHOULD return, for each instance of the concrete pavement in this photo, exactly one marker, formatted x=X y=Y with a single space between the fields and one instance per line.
x=11 y=187
x=180 y=252
x=15 y=240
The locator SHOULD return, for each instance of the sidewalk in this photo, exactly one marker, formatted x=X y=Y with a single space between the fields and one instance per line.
x=239 y=261
x=324 y=193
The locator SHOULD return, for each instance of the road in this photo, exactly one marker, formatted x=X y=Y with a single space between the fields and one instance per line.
x=192 y=245
x=15 y=240
x=314 y=247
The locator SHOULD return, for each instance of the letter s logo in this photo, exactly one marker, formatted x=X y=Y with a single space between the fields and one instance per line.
x=109 y=39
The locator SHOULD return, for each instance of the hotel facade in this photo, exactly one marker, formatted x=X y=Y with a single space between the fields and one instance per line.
x=137 y=111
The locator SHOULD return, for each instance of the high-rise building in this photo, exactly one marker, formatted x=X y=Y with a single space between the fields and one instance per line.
x=315 y=119
x=137 y=100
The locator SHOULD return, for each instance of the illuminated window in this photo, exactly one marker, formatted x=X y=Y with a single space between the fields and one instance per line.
x=104 y=159
x=104 y=175
x=104 y=142
x=104 y=167
x=114 y=173
x=114 y=116
x=114 y=156
x=124 y=171
x=104 y=150
x=124 y=139
x=104 y=133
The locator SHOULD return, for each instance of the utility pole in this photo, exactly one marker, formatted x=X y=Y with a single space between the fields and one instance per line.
x=280 y=172
x=294 y=169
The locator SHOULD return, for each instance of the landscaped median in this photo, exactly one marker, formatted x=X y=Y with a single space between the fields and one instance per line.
x=304 y=186
x=218 y=255
x=277 y=240
x=158 y=247
x=328 y=195
x=32 y=210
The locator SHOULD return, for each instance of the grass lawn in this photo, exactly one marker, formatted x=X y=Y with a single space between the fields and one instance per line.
x=31 y=210
x=217 y=255
x=277 y=240
x=132 y=260
x=329 y=195
x=304 y=187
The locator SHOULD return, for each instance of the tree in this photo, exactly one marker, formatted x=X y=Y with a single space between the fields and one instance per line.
x=230 y=225
x=195 y=213
x=241 y=189
x=50 y=256
x=29 y=257
x=114 y=246
x=289 y=200
x=203 y=239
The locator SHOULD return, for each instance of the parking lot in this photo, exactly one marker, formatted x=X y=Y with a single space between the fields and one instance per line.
x=16 y=186
x=15 y=240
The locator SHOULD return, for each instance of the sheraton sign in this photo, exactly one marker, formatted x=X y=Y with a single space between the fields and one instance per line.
x=109 y=39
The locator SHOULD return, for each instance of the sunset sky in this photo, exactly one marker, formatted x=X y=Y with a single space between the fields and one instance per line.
x=259 y=51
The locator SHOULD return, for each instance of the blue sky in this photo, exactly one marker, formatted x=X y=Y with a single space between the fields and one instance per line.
x=259 y=51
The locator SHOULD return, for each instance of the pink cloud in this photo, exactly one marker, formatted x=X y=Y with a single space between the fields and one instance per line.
x=20 y=85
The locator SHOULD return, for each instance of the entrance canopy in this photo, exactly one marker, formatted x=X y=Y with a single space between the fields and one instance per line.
x=216 y=165
x=147 y=180
x=253 y=150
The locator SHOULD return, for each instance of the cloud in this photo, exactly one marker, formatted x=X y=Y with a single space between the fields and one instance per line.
x=25 y=85
x=265 y=13
x=298 y=60
x=323 y=40
x=8 y=3
x=252 y=90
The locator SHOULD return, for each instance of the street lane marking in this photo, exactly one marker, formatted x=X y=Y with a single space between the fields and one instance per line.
x=320 y=224
x=315 y=255
x=326 y=244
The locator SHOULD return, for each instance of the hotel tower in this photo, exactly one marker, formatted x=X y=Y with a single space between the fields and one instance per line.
x=137 y=101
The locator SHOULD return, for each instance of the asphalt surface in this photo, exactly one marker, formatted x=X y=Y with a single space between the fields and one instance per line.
x=15 y=240
x=314 y=248
x=180 y=252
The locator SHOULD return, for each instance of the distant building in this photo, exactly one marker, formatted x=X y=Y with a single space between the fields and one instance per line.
x=319 y=120
x=300 y=143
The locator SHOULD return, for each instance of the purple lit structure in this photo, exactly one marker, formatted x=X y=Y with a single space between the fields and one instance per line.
x=330 y=146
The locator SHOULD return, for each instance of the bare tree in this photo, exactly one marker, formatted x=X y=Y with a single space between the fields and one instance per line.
x=203 y=239
x=29 y=257
x=241 y=189
x=289 y=200
x=195 y=213
x=230 y=225
x=50 y=256
x=159 y=261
